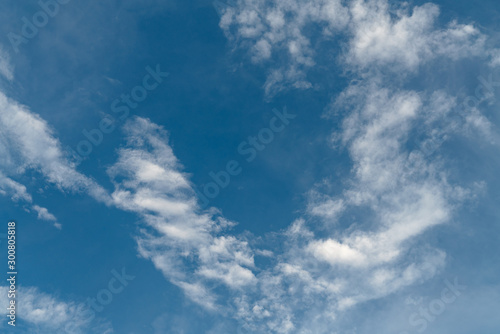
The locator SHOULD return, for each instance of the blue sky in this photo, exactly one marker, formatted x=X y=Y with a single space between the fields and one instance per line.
x=371 y=208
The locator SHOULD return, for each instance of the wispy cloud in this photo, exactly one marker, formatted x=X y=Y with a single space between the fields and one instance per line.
x=404 y=38
x=371 y=33
x=44 y=313
x=278 y=27
x=181 y=240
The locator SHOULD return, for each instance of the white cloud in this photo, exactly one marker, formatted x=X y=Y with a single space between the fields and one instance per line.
x=397 y=193
x=269 y=28
x=403 y=194
x=180 y=238
x=27 y=142
x=325 y=207
x=394 y=36
x=44 y=214
x=31 y=144
x=17 y=192
x=46 y=314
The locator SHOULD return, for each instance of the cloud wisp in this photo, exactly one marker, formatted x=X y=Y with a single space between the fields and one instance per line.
x=28 y=143
x=44 y=313
x=179 y=237
x=373 y=34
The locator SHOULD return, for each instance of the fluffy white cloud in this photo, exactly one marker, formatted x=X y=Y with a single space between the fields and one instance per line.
x=44 y=214
x=31 y=144
x=17 y=192
x=404 y=39
x=271 y=27
x=378 y=33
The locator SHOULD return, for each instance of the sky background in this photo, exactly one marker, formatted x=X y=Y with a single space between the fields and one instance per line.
x=382 y=187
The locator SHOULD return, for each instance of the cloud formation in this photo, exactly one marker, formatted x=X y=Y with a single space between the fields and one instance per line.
x=44 y=313
x=28 y=143
x=371 y=33
x=396 y=192
x=179 y=237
